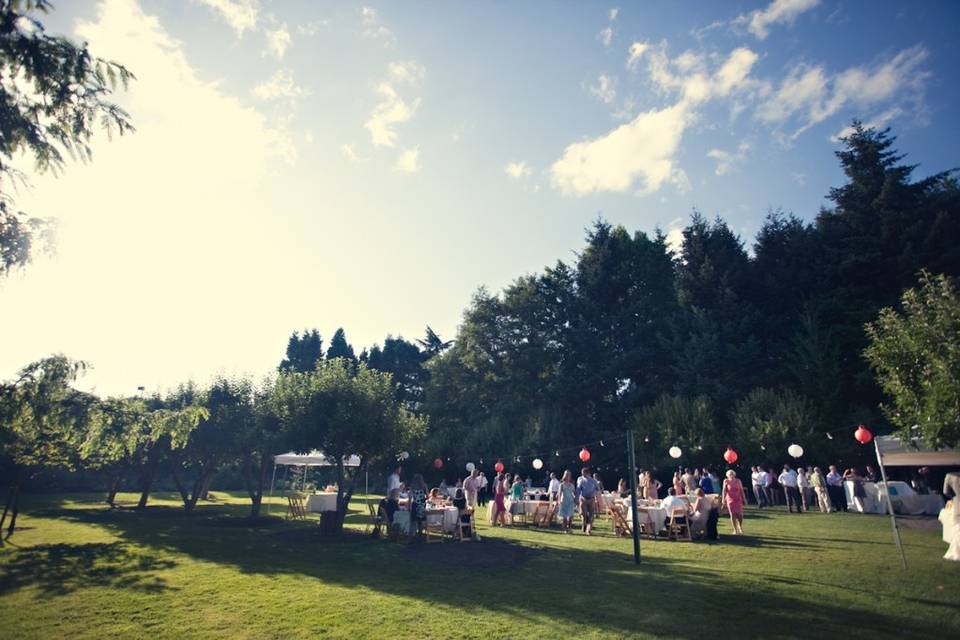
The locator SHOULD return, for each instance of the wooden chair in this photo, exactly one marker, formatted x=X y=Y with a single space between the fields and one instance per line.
x=679 y=526
x=620 y=525
x=295 y=508
x=376 y=520
x=434 y=525
x=464 y=526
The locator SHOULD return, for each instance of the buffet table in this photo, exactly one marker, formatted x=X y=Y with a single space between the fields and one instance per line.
x=324 y=501
x=905 y=500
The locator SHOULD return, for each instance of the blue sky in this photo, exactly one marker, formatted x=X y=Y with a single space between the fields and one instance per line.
x=368 y=165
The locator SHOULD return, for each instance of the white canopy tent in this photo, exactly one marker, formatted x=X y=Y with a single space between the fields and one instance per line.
x=893 y=452
x=313 y=459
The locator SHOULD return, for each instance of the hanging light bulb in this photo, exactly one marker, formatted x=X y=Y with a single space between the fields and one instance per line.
x=601 y=444
x=829 y=436
x=518 y=458
x=646 y=438
x=763 y=447
x=557 y=454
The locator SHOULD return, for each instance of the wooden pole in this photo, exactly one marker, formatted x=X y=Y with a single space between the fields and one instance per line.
x=632 y=464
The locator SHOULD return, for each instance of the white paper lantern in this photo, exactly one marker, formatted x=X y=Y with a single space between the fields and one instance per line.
x=404 y=455
x=470 y=467
x=675 y=452
x=795 y=450
x=537 y=464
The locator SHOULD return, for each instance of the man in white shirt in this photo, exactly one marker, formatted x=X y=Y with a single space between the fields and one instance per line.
x=758 y=484
x=393 y=481
x=672 y=502
x=835 y=488
x=788 y=479
x=482 y=492
x=470 y=488
x=553 y=488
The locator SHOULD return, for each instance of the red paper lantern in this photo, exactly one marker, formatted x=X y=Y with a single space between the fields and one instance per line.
x=730 y=455
x=438 y=463
x=584 y=454
x=498 y=467
x=863 y=435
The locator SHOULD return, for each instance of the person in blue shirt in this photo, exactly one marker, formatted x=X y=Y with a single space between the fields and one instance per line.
x=587 y=489
x=706 y=484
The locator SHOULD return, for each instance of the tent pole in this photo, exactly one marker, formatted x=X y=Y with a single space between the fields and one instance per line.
x=272 y=481
x=893 y=517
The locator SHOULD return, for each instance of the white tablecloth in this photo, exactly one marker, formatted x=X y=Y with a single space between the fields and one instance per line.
x=518 y=507
x=904 y=499
x=448 y=516
x=647 y=515
x=322 y=502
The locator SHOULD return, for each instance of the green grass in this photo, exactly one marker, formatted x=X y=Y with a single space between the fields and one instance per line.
x=79 y=570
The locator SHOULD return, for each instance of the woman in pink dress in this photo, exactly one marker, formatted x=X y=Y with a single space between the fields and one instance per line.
x=732 y=499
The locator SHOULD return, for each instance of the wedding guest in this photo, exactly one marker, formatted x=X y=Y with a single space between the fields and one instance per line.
x=732 y=499
x=529 y=483
x=471 y=486
x=587 y=489
x=758 y=484
x=464 y=511
x=788 y=480
x=820 y=487
x=517 y=488
x=483 y=493
x=769 y=481
x=393 y=480
x=673 y=501
x=835 y=487
x=859 y=494
x=499 y=506
x=418 y=502
x=388 y=506
x=689 y=482
x=677 y=483
x=622 y=489
x=871 y=475
x=706 y=484
x=553 y=487
x=806 y=490
x=702 y=506
x=567 y=495
x=651 y=489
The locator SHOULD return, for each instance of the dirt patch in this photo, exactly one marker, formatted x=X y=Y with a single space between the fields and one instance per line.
x=479 y=555
x=313 y=535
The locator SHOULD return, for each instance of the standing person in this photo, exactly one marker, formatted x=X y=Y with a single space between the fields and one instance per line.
x=677 y=483
x=871 y=475
x=835 y=486
x=732 y=499
x=553 y=488
x=689 y=482
x=567 y=495
x=499 y=506
x=529 y=483
x=706 y=484
x=418 y=502
x=623 y=489
x=587 y=489
x=482 y=492
x=758 y=485
x=788 y=480
x=471 y=486
x=806 y=490
x=820 y=488
x=517 y=488
x=769 y=480
x=859 y=494
x=393 y=480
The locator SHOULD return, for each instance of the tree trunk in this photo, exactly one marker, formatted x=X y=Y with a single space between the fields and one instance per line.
x=6 y=509
x=255 y=506
x=205 y=489
x=146 y=483
x=113 y=487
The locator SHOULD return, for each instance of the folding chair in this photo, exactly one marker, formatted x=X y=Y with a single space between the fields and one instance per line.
x=679 y=526
x=295 y=508
x=620 y=525
x=462 y=526
x=376 y=520
x=541 y=514
x=434 y=524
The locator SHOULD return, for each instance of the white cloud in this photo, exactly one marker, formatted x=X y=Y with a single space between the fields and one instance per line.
x=605 y=36
x=393 y=109
x=408 y=161
x=372 y=28
x=350 y=154
x=281 y=85
x=778 y=12
x=877 y=122
x=278 y=41
x=310 y=29
x=614 y=13
x=641 y=150
x=812 y=96
x=636 y=52
x=409 y=72
x=726 y=160
x=604 y=89
x=517 y=170
x=675 y=236
x=171 y=216
x=242 y=15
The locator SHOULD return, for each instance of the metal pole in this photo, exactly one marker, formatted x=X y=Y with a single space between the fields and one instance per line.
x=272 y=481
x=631 y=462
x=886 y=493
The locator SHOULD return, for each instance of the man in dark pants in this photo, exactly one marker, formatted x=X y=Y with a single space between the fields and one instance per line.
x=788 y=480
x=835 y=488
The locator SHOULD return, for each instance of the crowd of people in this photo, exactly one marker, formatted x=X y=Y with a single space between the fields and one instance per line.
x=699 y=490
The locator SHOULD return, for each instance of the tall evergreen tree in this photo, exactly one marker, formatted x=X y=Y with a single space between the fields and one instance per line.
x=340 y=348
x=304 y=352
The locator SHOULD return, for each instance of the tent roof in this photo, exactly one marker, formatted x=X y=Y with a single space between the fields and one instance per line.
x=314 y=459
x=894 y=453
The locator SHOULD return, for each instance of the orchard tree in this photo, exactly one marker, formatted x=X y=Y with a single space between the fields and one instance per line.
x=112 y=441
x=260 y=438
x=53 y=96
x=916 y=356
x=343 y=411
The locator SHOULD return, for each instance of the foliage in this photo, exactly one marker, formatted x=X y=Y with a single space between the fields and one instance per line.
x=303 y=352
x=340 y=348
x=767 y=417
x=53 y=96
x=916 y=355
x=685 y=422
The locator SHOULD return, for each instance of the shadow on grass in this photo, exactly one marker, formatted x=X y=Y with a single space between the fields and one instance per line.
x=58 y=569
x=622 y=599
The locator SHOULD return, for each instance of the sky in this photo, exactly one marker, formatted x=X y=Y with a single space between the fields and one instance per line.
x=303 y=164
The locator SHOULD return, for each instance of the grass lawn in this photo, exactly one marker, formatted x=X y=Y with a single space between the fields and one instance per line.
x=80 y=570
